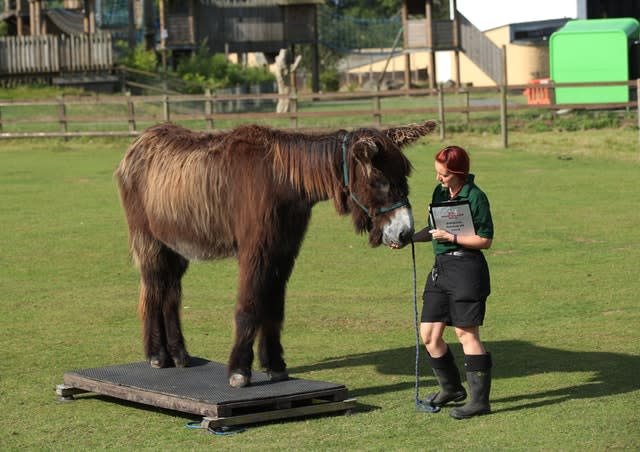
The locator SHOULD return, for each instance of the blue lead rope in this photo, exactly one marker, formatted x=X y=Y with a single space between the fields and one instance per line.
x=421 y=406
x=223 y=430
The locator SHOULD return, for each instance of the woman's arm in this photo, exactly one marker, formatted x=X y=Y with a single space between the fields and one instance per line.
x=423 y=235
x=474 y=242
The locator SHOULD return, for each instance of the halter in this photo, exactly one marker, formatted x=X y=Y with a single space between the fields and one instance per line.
x=345 y=178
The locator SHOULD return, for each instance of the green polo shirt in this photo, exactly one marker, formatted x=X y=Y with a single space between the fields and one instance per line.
x=480 y=211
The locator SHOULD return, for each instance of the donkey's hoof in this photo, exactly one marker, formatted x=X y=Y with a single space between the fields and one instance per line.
x=238 y=380
x=182 y=360
x=158 y=362
x=277 y=375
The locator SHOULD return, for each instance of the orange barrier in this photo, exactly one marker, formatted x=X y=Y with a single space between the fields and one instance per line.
x=539 y=95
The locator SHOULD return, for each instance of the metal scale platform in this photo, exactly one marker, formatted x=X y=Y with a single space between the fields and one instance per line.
x=203 y=389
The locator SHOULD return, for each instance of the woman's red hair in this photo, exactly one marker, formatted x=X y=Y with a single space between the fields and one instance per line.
x=455 y=159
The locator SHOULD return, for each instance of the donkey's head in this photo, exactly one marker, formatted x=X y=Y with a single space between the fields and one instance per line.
x=375 y=175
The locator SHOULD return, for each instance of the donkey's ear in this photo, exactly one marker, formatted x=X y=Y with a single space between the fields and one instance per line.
x=405 y=135
x=363 y=151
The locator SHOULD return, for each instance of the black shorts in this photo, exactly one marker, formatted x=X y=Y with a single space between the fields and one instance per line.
x=456 y=290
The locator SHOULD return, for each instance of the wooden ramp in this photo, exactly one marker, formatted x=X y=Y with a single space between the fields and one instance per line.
x=203 y=389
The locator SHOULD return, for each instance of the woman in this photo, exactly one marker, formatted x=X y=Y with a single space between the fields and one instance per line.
x=456 y=290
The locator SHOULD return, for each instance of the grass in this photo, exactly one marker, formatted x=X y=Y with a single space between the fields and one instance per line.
x=562 y=319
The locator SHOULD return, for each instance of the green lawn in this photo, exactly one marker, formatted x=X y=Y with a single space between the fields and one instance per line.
x=562 y=321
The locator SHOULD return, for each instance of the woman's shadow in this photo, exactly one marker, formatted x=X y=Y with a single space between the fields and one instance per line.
x=613 y=373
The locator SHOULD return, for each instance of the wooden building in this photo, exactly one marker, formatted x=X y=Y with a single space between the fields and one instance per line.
x=32 y=18
x=59 y=45
x=240 y=26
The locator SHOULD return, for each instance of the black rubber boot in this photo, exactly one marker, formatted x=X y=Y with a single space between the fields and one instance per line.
x=478 y=369
x=448 y=376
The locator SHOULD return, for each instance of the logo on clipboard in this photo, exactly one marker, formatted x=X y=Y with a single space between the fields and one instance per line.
x=453 y=216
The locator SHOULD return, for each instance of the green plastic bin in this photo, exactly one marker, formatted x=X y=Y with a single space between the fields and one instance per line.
x=592 y=50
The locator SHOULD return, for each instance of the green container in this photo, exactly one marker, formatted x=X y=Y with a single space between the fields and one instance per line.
x=593 y=50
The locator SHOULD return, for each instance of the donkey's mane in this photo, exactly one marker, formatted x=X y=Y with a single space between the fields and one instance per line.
x=306 y=162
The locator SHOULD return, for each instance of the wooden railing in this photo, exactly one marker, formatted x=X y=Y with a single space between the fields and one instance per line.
x=52 y=54
x=126 y=115
x=481 y=50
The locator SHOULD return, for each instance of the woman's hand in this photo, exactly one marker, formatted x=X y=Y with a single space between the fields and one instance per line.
x=441 y=236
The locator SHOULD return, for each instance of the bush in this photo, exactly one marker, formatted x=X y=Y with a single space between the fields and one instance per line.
x=584 y=120
x=330 y=80
x=201 y=71
x=137 y=58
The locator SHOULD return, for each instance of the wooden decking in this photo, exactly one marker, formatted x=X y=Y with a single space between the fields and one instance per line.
x=202 y=389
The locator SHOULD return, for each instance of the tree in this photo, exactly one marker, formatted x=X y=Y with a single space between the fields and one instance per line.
x=381 y=8
x=366 y=9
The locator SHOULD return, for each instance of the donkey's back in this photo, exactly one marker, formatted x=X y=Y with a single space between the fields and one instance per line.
x=176 y=189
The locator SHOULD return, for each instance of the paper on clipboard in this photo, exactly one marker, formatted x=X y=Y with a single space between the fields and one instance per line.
x=454 y=217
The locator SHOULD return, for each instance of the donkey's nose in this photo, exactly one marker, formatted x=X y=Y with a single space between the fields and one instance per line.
x=406 y=236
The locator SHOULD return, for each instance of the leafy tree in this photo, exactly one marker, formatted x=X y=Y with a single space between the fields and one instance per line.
x=138 y=57
x=381 y=8
x=366 y=9
x=201 y=70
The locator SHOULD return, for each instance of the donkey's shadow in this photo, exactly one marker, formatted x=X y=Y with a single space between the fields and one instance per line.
x=613 y=373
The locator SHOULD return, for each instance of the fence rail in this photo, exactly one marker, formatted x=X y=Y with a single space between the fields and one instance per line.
x=127 y=115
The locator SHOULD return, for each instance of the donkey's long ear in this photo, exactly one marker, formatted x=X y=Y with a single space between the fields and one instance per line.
x=363 y=151
x=405 y=135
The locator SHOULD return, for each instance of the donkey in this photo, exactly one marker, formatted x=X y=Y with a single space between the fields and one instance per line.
x=248 y=193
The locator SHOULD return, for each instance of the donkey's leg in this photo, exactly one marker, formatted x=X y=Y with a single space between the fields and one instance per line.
x=270 y=349
x=161 y=271
x=242 y=352
x=270 y=346
x=149 y=309
x=176 y=266
x=282 y=254
x=252 y=261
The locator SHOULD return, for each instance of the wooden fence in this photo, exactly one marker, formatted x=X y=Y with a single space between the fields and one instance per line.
x=127 y=115
x=52 y=54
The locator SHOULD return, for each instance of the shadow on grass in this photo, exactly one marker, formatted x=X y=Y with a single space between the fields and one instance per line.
x=613 y=373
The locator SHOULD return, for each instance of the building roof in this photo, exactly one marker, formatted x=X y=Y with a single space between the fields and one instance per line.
x=249 y=3
x=70 y=22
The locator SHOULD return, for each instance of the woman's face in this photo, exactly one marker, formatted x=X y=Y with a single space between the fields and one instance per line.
x=447 y=179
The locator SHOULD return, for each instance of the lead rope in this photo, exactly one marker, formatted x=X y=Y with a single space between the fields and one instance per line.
x=420 y=405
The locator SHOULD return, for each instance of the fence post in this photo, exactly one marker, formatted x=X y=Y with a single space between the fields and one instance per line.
x=0 y=119
x=208 y=108
x=62 y=114
x=503 y=99
x=123 y=80
x=465 y=93
x=293 y=108
x=637 y=104
x=165 y=108
x=377 y=116
x=238 y=103
x=441 y=110
x=131 y=113
x=503 y=115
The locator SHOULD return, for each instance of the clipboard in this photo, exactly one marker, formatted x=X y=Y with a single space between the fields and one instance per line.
x=452 y=216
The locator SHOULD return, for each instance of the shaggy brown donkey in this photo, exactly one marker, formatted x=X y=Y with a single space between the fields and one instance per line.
x=248 y=193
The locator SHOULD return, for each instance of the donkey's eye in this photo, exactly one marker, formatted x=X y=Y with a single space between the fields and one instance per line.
x=380 y=185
